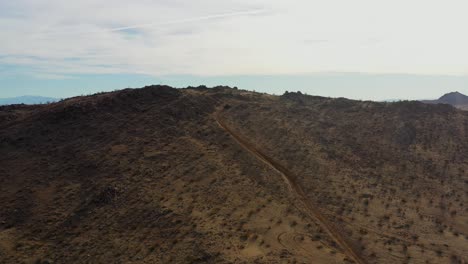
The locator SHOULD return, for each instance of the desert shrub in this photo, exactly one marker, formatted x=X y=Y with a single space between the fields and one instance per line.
x=243 y=237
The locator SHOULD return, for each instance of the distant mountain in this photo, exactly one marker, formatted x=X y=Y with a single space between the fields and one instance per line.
x=27 y=100
x=456 y=99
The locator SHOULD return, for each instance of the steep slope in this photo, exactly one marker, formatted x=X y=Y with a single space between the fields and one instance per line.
x=456 y=99
x=163 y=175
x=310 y=209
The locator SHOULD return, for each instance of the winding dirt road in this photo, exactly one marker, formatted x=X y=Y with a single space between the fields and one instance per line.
x=311 y=210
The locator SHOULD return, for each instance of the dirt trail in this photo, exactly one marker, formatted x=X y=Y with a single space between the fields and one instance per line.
x=297 y=190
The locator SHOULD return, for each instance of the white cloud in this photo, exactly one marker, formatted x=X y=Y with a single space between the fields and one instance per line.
x=217 y=37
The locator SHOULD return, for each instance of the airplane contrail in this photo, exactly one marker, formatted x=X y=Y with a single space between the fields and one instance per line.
x=181 y=21
x=149 y=25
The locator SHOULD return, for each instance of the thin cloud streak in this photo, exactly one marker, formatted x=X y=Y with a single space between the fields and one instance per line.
x=182 y=21
x=153 y=25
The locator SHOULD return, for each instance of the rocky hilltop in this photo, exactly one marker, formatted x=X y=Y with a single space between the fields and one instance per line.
x=456 y=99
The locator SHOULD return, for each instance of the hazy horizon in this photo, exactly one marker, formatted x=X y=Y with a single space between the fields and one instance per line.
x=332 y=48
x=365 y=86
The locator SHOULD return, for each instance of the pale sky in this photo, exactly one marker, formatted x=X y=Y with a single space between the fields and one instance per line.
x=74 y=41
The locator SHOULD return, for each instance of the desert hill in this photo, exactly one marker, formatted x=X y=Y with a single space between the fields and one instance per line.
x=456 y=99
x=221 y=175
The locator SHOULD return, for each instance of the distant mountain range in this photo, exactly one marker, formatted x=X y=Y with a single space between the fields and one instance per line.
x=27 y=100
x=456 y=99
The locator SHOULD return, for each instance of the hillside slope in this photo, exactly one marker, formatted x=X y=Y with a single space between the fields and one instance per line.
x=197 y=175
